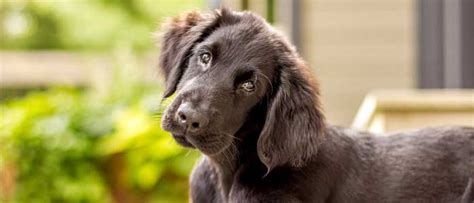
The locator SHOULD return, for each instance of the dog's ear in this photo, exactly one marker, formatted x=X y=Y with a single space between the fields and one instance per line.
x=294 y=122
x=180 y=34
x=179 y=37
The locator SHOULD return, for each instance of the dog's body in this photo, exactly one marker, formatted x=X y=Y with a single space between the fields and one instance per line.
x=426 y=165
x=468 y=195
x=248 y=102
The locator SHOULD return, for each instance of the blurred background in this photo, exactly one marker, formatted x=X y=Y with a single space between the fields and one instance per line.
x=80 y=96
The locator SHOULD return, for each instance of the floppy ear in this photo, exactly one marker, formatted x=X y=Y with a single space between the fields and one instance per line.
x=294 y=123
x=179 y=37
x=176 y=43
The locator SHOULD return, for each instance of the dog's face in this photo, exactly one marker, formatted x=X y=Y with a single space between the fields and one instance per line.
x=225 y=76
x=224 y=65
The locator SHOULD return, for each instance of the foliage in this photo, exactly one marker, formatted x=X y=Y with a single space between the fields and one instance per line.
x=64 y=144
x=84 y=24
x=88 y=145
x=50 y=149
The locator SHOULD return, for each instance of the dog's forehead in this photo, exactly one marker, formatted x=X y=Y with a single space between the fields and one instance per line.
x=244 y=32
x=241 y=33
x=239 y=41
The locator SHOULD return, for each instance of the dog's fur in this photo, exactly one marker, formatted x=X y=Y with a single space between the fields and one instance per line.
x=272 y=144
x=468 y=196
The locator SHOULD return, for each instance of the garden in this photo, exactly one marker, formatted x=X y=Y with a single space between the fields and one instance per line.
x=92 y=142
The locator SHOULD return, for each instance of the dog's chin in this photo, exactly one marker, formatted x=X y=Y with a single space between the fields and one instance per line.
x=181 y=140
x=210 y=144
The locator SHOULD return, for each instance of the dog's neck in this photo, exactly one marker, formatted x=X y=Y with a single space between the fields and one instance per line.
x=243 y=151
x=225 y=164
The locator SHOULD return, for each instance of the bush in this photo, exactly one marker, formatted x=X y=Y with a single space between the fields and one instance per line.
x=85 y=24
x=81 y=145
x=71 y=145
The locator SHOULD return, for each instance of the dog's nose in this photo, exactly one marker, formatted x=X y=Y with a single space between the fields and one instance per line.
x=191 y=118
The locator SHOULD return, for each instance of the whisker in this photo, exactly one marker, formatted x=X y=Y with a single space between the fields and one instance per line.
x=227 y=134
x=231 y=154
x=267 y=79
x=228 y=155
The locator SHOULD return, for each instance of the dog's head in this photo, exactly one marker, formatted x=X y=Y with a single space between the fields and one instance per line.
x=224 y=64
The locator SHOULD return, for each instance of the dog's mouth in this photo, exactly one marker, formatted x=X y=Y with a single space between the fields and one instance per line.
x=181 y=139
x=208 y=144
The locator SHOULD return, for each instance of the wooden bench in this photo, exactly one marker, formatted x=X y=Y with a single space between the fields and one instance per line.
x=390 y=110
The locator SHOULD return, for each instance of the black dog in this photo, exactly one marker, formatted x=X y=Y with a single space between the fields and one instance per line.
x=247 y=101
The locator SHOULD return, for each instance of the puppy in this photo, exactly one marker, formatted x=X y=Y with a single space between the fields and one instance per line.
x=248 y=102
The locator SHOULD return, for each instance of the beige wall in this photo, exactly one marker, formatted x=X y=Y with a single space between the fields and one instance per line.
x=354 y=46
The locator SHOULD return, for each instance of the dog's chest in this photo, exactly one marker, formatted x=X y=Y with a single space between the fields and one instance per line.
x=254 y=186
x=240 y=194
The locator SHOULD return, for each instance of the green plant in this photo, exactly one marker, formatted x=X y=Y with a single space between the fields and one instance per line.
x=94 y=144
x=50 y=149
x=84 y=24
x=70 y=145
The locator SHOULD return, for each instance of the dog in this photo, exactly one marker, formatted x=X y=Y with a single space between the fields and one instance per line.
x=247 y=101
x=468 y=196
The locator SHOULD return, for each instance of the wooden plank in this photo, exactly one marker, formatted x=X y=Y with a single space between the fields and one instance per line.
x=395 y=121
x=46 y=68
x=360 y=37
x=421 y=100
x=359 y=4
x=32 y=69
x=402 y=109
x=356 y=46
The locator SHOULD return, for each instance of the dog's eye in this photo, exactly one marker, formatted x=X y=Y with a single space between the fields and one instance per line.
x=248 y=86
x=205 y=58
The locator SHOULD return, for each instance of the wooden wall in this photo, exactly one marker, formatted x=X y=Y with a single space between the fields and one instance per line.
x=354 y=46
